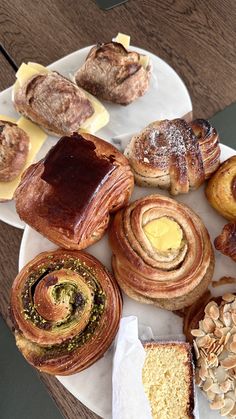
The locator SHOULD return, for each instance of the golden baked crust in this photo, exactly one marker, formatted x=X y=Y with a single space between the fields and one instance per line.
x=53 y=102
x=174 y=155
x=170 y=280
x=68 y=196
x=226 y=241
x=221 y=189
x=66 y=309
x=14 y=148
x=168 y=379
x=112 y=73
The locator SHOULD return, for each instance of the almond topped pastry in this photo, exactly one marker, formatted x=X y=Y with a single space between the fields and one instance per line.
x=54 y=102
x=162 y=253
x=14 y=148
x=68 y=196
x=113 y=73
x=174 y=155
x=66 y=309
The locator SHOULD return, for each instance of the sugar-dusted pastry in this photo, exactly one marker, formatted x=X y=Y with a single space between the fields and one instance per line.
x=113 y=73
x=215 y=348
x=162 y=253
x=55 y=103
x=68 y=196
x=66 y=309
x=14 y=148
x=221 y=189
x=174 y=154
x=168 y=377
x=226 y=241
x=20 y=141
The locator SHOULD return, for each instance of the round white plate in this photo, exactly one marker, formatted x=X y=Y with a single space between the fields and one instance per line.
x=93 y=386
x=167 y=97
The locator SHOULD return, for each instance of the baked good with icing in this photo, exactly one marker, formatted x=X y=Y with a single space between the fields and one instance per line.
x=168 y=377
x=162 y=253
x=66 y=309
x=221 y=189
x=14 y=148
x=56 y=103
x=68 y=196
x=226 y=241
x=113 y=73
x=174 y=154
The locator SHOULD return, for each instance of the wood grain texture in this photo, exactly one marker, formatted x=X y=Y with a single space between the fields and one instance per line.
x=197 y=38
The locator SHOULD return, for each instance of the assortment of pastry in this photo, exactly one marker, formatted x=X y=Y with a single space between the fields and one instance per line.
x=168 y=379
x=162 y=253
x=215 y=349
x=68 y=196
x=65 y=306
x=174 y=155
x=55 y=103
x=113 y=73
x=221 y=189
x=66 y=309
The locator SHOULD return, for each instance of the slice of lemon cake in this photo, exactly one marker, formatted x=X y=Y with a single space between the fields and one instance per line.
x=168 y=380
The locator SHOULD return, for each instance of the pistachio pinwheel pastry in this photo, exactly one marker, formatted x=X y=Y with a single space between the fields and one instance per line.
x=174 y=154
x=162 y=253
x=66 y=309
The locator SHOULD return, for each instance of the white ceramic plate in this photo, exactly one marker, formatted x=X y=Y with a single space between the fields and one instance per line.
x=93 y=386
x=166 y=98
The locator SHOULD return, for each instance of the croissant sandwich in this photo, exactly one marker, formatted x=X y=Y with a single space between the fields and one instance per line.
x=68 y=196
x=162 y=253
x=174 y=155
x=113 y=73
x=66 y=309
x=55 y=103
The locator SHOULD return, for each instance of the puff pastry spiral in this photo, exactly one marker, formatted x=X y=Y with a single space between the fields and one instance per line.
x=173 y=278
x=174 y=155
x=66 y=309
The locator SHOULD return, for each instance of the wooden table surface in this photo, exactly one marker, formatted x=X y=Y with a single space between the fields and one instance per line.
x=197 y=38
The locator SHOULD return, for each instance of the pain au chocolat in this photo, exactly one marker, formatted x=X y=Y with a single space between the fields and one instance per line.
x=162 y=253
x=66 y=309
x=174 y=154
x=113 y=73
x=68 y=196
x=55 y=103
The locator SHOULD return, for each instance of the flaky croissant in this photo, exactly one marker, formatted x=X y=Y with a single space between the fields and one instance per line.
x=162 y=253
x=112 y=73
x=68 y=196
x=174 y=155
x=66 y=309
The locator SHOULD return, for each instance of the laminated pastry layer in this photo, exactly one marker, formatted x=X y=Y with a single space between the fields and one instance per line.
x=69 y=195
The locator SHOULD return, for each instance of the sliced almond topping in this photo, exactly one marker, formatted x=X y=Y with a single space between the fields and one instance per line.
x=210 y=395
x=207 y=385
x=197 y=333
x=204 y=342
x=227 y=318
x=234 y=318
x=232 y=347
x=214 y=312
x=208 y=306
x=208 y=325
x=225 y=386
x=229 y=362
x=217 y=404
x=218 y=332
x=203 y=373
x=229 y=405
x=228 y=297
x=196 y=350
x=215 y=388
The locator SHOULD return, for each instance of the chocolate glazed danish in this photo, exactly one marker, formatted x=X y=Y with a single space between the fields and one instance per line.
x=162 y=253
x=66 y=309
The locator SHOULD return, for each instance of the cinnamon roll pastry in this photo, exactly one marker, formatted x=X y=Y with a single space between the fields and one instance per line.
x=66 y=309
x=14 y=148
x=68 y=196
x=174 y=155
x=55 y=103
x=162 y=253
x=221 y=189
x=226 y=241
x=113 y=73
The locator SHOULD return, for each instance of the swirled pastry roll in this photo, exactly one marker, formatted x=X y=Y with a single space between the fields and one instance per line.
x=66 y=309
x=112 y=73
x=162 y=253
x=68 y=196
x=221 y=189
x=174 y=155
